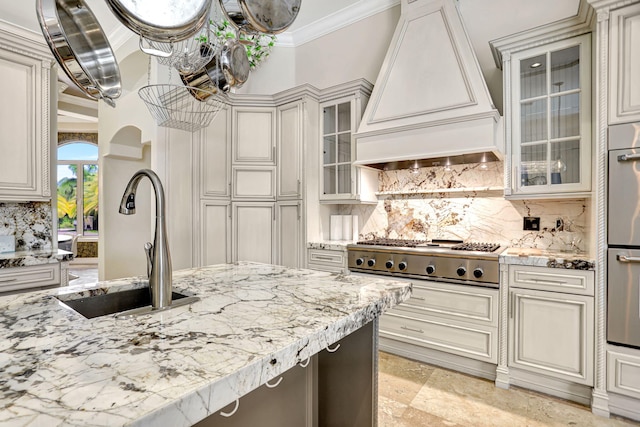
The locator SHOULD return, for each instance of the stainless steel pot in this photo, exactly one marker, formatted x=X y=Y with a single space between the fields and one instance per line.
x=164 y=21
x=80 y=47
x=228 y=68
x=264 y=16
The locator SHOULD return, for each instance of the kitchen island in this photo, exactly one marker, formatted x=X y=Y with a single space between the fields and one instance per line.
x=254 y=323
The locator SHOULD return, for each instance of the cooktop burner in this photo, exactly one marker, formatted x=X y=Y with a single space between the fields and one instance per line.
x=458 y=245
x=474 y=246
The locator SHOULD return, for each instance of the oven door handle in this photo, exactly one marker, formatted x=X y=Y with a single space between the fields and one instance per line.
x=624 y=258
x=628 y=157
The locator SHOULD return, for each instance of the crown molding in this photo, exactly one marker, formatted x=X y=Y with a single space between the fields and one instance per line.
x=335 y=21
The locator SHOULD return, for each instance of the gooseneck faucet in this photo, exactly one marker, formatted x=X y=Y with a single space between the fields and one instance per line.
x=158 y=258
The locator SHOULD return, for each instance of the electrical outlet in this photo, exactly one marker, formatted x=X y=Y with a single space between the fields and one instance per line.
x=531 y=223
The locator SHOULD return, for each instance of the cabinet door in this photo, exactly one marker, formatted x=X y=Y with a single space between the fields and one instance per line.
x=254 y=182
x=552 y=334
x=215 y=156
x=254 y=232
x=290 y=235
x=624 y=65
x=24 y=120
x=337 y=125
x=215 y=243
x=551 y=118
x=290 y=131
x=254 y=135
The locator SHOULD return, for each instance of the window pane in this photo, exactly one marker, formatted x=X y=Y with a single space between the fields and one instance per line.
x=344 y=179
x=329 y=173
x=565 y=69
x=533 y=121
x=533 y=77
x=565 y=162
x=67 y=209
x=78 y=151
x=329 y=119
x=90 y=202
x=565 y=116
x=344 y=148
x=534 y=165
x=329 y=150
x=344 y=117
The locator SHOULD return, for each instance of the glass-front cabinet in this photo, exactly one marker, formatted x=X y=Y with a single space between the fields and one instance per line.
x=550 y=116
x=340 y=180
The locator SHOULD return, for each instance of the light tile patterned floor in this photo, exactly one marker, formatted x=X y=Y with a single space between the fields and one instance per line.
x=414 y=394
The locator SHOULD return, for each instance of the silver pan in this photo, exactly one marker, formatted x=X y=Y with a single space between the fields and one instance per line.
x=80 y=47
x=164 y=21
x=264 y=16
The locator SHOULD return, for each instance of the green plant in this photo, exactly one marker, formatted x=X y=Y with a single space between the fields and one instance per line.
x=258 y=46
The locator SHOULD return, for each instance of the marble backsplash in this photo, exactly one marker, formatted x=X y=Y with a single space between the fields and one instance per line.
x=466 y=202
x=30 y=222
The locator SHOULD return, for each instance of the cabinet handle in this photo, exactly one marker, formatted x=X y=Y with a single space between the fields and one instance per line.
x=419 y=298
x=299 y=187
x=624 y=258
x=8 y=280
x=325 y=258
x=552 y=282
x=229 y=188
x=512 y=298
x=298 y=209
x=406 y=328
x=274 y=214
x=628 y=157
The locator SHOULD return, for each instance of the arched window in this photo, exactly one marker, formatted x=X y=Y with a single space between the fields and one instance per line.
x=78 y=192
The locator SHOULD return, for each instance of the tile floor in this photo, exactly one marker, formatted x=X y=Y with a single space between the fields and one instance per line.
x=414 y=394
x=85 y=274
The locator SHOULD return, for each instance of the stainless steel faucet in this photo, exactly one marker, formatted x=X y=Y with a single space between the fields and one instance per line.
x=158 y=258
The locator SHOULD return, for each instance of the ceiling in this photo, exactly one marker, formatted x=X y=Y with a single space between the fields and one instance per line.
x=485 y=20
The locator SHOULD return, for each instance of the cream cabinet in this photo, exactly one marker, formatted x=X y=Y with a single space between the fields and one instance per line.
x=254 y=135
x=254 y=232
x=331 y=260
x=290 y=136
x=254 y=182
x=20 y=279
x=290 y=233
x=551 y=323
x=624 y=64
x=214 y=156
x=547 y=107
x=340 y=180
x=215 y=232
x=25 y=118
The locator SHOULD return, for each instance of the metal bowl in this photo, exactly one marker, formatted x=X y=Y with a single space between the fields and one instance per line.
x=80 y=47
x=264 y=16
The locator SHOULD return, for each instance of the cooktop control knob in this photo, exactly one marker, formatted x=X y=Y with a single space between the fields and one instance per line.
x=371 y=262
x=431 y=269
x=389 y=264
x=478 y=272
x=461 y=271
x=402 y=265
x=359 y=261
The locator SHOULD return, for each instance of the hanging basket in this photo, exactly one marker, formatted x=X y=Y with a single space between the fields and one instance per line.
x=187 y=55
x=181 y=107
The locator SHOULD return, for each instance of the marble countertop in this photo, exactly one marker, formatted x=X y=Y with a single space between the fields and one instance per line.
x=548 y=258
x=27 y=258
x=336 y=245
x=173 y=368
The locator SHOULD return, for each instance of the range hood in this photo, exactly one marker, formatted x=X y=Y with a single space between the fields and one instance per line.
x=430 y=99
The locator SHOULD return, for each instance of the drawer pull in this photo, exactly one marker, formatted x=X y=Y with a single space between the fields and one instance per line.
x=419 y=298
x=624 y=258
x=325 y=258
x=406 y=328
x=550 y=282
x=8 y=280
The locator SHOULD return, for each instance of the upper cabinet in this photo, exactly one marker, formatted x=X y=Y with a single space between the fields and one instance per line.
x=25 y=117
x=624 y=65
x=254 y=135
x=547 y=109
x=340 y=180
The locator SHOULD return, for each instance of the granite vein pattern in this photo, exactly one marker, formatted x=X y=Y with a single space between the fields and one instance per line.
x=254 y=322
x=334 y=245
x=29 y=222
x=546 y=258
x=27 y=258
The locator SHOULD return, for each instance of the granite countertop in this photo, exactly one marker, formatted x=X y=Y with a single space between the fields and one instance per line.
x=173 y=368
x=548 y=258
x=335 y=245
x=38 y=257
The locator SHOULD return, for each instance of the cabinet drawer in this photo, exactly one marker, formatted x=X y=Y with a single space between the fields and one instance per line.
x=327 y=257
x=475 y=342
x=254 y=183
x=20 y=278
x=552 y=279
x=463 y=303
x=623 y=373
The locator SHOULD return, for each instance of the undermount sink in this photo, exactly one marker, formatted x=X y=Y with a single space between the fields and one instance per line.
x=124 y=304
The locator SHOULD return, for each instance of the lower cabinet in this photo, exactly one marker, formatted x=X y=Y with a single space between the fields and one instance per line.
x=336 y=387
x=623 y=372
x=290 y=234
x=19 y=279
x=455 y=319
x=215 y=236
x=254 y=231
x=334 y=261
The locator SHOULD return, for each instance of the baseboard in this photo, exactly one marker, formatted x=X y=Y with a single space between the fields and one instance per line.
x=434 y=357
x=563 y=389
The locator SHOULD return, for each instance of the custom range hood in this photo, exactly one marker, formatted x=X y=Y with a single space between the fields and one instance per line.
x=430 y=100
